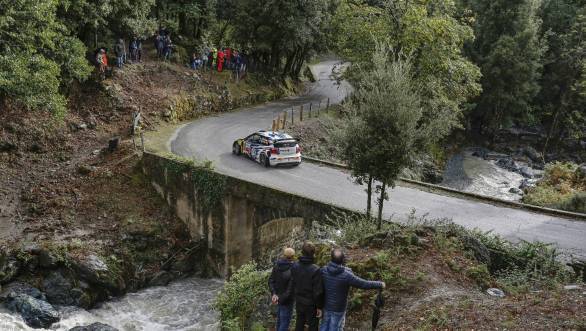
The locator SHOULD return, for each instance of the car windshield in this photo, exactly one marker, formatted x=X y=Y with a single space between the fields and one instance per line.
x=287 y=143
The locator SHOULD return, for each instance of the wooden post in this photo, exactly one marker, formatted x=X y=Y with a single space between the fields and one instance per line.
x=301 y=114
x=310 y=106
x=328 y=105
x=318 y=108
x=292 y=116
x=273 y=127
x=284 y=119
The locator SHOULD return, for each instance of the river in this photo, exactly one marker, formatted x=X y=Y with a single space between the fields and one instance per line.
x=469 y=173
x=182 y=305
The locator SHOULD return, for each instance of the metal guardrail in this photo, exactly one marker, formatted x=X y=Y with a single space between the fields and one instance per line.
x=513 y=204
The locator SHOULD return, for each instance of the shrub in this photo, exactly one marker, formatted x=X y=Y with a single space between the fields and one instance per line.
x=240 y=295
x=563 y=187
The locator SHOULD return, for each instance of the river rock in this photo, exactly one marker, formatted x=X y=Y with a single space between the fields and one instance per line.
x=581 y=171
x=526 y=183
x=532 y=154
x=507 y=163
x=58 y=289
x=495 y=156
x=515 y=190
x=94 y=327
x=47 y=259
x=15 y=288
x=9 y=269
x=36 y=313
x=526 y=172
x=93 y=269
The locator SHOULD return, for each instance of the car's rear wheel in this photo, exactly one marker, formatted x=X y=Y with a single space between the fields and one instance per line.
x=236 y=149
x=264 y=160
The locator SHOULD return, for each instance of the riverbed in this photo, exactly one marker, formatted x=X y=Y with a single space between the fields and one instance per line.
x=182 y=305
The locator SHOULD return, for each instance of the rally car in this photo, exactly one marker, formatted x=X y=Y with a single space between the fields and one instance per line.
x=269 y=148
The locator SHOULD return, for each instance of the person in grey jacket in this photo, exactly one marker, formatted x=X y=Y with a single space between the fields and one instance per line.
x=337 y=280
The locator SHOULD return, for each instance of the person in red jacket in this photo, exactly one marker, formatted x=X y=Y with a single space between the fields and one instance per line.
x=220 y=60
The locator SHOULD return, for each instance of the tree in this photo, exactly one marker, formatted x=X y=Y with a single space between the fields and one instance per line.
x=38 y=55
x=509 y=53
x=427 y=31
x=281 y=35
x=388 y=124
x=562 y=100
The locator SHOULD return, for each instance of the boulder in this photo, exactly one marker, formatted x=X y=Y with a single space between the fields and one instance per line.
x=581 y=171
x=94 y=327
x=36 y=313
x=532 y=154
x=47 y=259
x=507 y=163
x=21 y=288
x=9 y=269
x=515 y=190
x=58 y=289
x=494 y=156
x=93 y=269
x=526 y=172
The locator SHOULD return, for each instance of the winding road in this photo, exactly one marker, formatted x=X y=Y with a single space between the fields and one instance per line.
x=211 y=138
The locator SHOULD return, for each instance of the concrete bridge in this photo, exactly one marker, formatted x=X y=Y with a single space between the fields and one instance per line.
x=238 y=220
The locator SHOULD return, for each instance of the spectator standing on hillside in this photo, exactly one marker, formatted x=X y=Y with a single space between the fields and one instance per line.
x=337 y=280
x=159 y=45
x=281 y=285
x=236 y=65
x=132 y=48
x=228 y=56
x=308 y=289
x=120 y=51
x=204 y=59
x=100 y=63
x=214 y=57
x=168 y=45
x=220 y=60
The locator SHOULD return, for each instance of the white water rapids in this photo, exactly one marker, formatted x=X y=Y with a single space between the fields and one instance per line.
x=182 y=305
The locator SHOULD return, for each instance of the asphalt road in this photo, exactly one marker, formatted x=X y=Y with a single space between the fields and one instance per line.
x=211 y=138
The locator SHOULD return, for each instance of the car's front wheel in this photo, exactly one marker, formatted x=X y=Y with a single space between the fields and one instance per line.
x=236 y=149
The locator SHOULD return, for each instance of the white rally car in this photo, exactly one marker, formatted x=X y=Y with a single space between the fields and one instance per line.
x=269 y=148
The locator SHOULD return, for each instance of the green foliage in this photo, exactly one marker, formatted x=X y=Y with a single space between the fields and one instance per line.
x=563 y=187
x=523 y=266
x=240 y=295
x=509 y=52
x=281 y=35
x=37 y=55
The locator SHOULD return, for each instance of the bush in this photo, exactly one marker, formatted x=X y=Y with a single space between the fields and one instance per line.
x=240 y=296
x=563 y=187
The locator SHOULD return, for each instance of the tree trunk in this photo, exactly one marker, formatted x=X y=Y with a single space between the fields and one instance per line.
x=369 y=198
x=381 y=201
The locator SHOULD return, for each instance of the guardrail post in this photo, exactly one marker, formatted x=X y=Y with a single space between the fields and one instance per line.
x=328 y=105
x=273 y=127
x=301 y=114
x=318 y=108
x=292 y=116
x=310 y=106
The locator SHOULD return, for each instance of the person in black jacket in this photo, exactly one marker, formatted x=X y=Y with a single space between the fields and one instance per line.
x=281 y=286
x=337 y=281
x=307 y=282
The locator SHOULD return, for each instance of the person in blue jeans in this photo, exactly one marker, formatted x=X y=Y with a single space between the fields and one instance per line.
x=281 y=285
x=337 y=280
